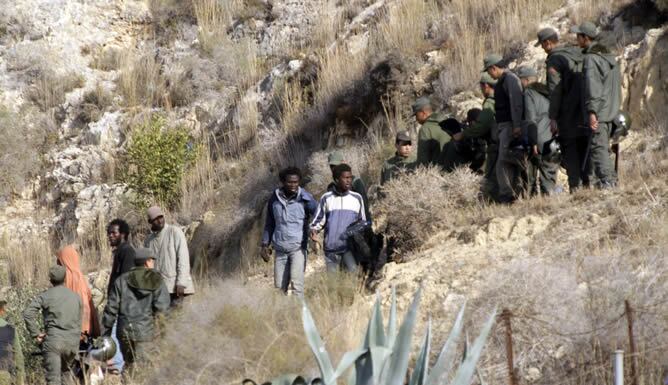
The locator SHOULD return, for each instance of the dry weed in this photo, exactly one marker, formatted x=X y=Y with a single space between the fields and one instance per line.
x=417 y=204
x=233 y=331
x=49 y=89
x=28 y=260
x=140 y=79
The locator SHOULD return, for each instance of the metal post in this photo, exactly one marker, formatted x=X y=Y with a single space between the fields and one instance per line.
x=618 y=365
x=632 y=343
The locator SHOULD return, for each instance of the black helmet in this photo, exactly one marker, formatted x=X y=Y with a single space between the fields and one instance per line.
x=103 y=349
x=518 y=151
x=621 y=125
x=552 y=150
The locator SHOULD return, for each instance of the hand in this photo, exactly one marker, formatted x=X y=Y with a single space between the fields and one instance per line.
x=593 y=122
x=314 y=236
x=265 y=253
x=458 y=136
x=517 y=131
x=40 y=338
x=180 y=291
x=554 y=129
x=534 y=150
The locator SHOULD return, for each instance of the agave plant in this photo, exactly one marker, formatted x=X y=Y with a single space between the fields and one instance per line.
x=384 y=354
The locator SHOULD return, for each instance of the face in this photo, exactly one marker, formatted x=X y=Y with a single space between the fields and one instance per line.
x=150 y=263
x=2 y=311
x=345 y=181
x=486 y=89
x=548 y=45
x=404 y=148
x=525 y=82
x=495 y=72
x=583 y=42
x=158 y=223
x=421 y=116
x=291 y=184
x=114 y=236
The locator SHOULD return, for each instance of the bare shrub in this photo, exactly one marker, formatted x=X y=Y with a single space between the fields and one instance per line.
x=416 y=205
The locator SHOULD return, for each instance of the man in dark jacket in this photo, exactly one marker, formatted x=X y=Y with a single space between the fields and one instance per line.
x=509 y=108
x=61 y=309
x=602 y=100
x=12 y=369
x=564 y=82
x=541 y=170
x=136 y=300
x=123 y=255
x=484 y=127
x=287 y=229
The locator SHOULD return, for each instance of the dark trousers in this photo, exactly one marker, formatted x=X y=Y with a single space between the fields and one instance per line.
x=573 y=154
x=542 y=175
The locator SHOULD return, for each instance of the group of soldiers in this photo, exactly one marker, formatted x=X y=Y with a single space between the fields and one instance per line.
x=144 y=284
x=524 y=132
x=527 y=129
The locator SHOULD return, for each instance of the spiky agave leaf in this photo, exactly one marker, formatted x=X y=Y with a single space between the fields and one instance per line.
x=445 y=358
x=375 y=333
x=392 y=322
x=394 y=371
x=467 y=368
x=318 y=347
x=421 y=370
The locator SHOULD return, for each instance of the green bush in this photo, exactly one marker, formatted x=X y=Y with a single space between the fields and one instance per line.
x=156 y=160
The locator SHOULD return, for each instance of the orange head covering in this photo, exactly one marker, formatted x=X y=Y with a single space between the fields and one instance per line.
x=75 y=281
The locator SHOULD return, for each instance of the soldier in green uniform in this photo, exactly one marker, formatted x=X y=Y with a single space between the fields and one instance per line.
x=12 y=368
x=61 y=309
x=485 y=128
x=137 y=298
x=602 y=100
x=542 y=173
x=564 y=82
x=431 y=138
x=402 y=159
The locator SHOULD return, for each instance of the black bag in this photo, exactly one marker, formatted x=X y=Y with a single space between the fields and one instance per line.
x=364 y=244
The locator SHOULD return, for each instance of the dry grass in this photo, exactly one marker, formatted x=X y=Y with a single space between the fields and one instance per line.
x=256 y=333
x=48 y=89
x=28 y=260
x=418 y=204
x=140 y=80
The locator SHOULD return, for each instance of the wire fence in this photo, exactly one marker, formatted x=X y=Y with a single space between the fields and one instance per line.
x=630 y=320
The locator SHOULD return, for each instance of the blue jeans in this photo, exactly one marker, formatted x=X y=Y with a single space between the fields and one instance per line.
x=345 y=261
x=290 y=267
x=117 y=361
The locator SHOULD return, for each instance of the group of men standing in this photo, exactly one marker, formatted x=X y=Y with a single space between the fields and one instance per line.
x=522 y=119
x=144 y=283
x=524 y=132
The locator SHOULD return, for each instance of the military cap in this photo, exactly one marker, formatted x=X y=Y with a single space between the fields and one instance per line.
x=526 y=72
x=546 y=34
x=487 y=79
x=335 y=158
x=403 y=136
x=57 y=274
x=420 y=104
x=490 y=60
x=587 y=28
x=143 y=254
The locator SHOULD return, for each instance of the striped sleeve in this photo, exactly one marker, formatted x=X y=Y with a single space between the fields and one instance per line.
x=320 y=217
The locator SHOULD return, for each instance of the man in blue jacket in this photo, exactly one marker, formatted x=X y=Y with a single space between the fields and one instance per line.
x=338 y=209
x=286 y=228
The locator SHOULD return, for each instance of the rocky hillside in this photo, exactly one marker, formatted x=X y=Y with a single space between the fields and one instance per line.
x=260 y=84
